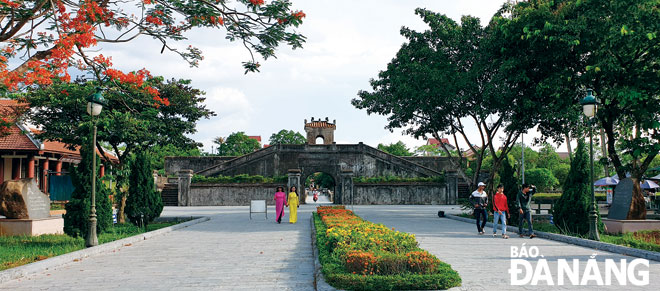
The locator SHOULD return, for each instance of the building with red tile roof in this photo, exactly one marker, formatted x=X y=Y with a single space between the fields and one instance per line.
x=22 y=155
x=435 y=142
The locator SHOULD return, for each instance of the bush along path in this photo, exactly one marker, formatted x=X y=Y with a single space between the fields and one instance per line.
x=360 y=255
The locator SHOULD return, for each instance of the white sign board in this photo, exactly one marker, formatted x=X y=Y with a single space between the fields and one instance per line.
x=258 y=206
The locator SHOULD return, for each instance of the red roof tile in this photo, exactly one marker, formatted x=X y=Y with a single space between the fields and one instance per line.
x=435 y=141
x=16 y=140
x=11 y=109
x=320 y=124
x=257 y=137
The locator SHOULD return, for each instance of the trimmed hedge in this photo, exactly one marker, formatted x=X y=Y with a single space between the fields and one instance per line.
x=396 y=179
x=242 y=178
x=552 y=197
x=360 y=255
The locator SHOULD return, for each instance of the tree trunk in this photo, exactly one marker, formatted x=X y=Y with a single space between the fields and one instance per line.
x=604 y=151
x=121 y=217
x=568 y=145
x=637 y=205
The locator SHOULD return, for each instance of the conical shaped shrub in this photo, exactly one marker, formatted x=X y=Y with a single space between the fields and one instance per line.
x=571 y=211
x=76 y=219
x=144 y=203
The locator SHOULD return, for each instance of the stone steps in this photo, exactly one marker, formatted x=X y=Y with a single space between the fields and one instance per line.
x=170 y=195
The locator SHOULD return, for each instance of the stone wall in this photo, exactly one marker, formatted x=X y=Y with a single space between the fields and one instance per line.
x=204 y=194
x=441 y=164
x=401 y=193
x=175 y=164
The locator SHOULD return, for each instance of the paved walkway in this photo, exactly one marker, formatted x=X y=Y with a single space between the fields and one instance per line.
x=481 y=260
x=228 y=252
x=231 y=252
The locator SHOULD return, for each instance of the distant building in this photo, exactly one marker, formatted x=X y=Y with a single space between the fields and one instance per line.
x=563 y=155
x=323 y=129
x=437 y=143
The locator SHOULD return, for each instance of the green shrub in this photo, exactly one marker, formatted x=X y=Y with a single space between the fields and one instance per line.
x=76 y=219
x=144 y=203
x=542 y=178
x=571 y=211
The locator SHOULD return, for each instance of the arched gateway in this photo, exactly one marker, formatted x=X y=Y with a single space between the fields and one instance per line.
x=342 y=161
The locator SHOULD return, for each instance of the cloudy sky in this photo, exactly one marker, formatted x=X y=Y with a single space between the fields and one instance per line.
x=348 y=42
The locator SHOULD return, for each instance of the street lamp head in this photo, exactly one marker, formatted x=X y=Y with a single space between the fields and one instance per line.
x=95 y=102
x=589 y=104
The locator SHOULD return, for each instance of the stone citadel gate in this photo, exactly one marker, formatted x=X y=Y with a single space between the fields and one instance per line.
x=341 y=161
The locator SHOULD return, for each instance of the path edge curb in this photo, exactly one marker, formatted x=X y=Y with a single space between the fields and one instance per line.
x=602 y=246
x=61 y=260
x=319 y=281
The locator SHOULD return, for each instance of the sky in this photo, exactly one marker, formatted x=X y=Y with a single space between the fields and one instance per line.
x=348 y=43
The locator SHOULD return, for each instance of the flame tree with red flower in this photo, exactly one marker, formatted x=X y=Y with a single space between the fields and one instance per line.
x=43 y=41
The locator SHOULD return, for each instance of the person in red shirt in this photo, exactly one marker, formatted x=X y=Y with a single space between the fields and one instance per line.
x=500 y=211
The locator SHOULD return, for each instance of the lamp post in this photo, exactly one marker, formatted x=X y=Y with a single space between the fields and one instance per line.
x=94 y=106
x=589 y=110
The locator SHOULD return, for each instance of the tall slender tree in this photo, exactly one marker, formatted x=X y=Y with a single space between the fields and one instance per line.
x=144 y=203
x=76 y=218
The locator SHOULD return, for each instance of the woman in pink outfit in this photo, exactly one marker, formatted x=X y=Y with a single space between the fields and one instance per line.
x=280 y=199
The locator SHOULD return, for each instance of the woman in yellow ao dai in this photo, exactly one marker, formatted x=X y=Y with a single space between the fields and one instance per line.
x=293 y=205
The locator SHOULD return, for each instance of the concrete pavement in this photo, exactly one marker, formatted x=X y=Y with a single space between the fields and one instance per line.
x=483 y=261
x=228 y=252
x=232 y=252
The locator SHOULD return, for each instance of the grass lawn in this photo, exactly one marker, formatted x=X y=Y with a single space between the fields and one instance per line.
x=21 y=250
x=645 y=240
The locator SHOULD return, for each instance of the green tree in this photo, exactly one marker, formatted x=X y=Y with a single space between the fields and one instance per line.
x=76 y=218
x=511 y=187
x=561 y=172
x=287 y=137
x=531 y=157
x=428 y=150
x=132 y=120
x=548 y=157
x=443 y=81
x=323 y=180
x=237 y=144
x=541 y=178
x=610 y=46
x=144 y=202
x=398 y=149
x=571 y=211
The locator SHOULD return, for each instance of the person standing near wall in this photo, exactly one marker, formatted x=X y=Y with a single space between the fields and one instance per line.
x=280 y=200
x=293 y=204
x=479 y=199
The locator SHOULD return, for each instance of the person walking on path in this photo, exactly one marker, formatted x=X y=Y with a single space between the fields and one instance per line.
x=293 y=205
x=280 y=200
x=479 y=199
x=500 y=210
x=523 y=201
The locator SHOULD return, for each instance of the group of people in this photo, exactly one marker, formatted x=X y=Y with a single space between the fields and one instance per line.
x=501 y=213
x=290 y=200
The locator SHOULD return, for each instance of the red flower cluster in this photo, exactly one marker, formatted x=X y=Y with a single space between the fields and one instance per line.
x=153 y=20
x=257 y=2
x=11 y=4
x=298 y=14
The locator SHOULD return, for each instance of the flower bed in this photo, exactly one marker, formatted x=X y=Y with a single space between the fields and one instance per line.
x=361 y=255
